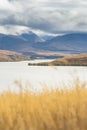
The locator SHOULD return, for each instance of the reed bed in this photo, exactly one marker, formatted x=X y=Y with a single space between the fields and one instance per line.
x=50 y=110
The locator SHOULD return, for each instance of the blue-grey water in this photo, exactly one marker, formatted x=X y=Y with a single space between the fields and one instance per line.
x=13 y=74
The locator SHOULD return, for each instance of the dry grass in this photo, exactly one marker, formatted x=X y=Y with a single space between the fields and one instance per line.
x=75 y=60
x=6 y=55
x=55 y=110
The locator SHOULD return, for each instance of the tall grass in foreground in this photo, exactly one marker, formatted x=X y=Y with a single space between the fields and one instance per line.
x=55 y=110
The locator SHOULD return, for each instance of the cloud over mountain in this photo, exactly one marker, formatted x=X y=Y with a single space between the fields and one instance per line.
x=50 y=16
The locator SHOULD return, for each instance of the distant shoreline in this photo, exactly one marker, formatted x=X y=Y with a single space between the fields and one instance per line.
x=76 y=60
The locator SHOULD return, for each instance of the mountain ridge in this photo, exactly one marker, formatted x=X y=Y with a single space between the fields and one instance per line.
x=74 y=43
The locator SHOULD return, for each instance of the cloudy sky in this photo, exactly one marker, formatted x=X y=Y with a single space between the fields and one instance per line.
x=43 y=16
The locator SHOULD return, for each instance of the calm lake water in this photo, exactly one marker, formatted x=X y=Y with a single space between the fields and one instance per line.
x=13 y=74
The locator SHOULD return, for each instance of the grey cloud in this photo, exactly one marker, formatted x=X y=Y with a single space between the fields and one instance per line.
x=45 y=15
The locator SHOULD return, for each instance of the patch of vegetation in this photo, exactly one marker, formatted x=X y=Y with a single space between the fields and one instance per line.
x=9 y=56
x=76 y=60
x=54 y=110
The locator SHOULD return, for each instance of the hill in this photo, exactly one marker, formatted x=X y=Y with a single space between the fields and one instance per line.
x=31 y=37
x=75 y=60
x=11 y=56
x=68 y=43
x=19 y=43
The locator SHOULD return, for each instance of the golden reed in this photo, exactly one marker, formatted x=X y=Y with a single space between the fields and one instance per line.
x=54 y=110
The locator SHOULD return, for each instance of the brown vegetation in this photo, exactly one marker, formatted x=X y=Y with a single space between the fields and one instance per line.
x=75 y=60
x=54 y=110
x=11 y=56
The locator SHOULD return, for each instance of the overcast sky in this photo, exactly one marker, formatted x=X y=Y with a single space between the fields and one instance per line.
x=43 y=16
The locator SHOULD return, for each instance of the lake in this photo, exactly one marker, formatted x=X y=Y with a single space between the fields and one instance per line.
x=13 y=74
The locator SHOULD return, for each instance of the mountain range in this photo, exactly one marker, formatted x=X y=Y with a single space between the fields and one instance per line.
x=19 y=43
x=30 y=44
x=72 y=43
